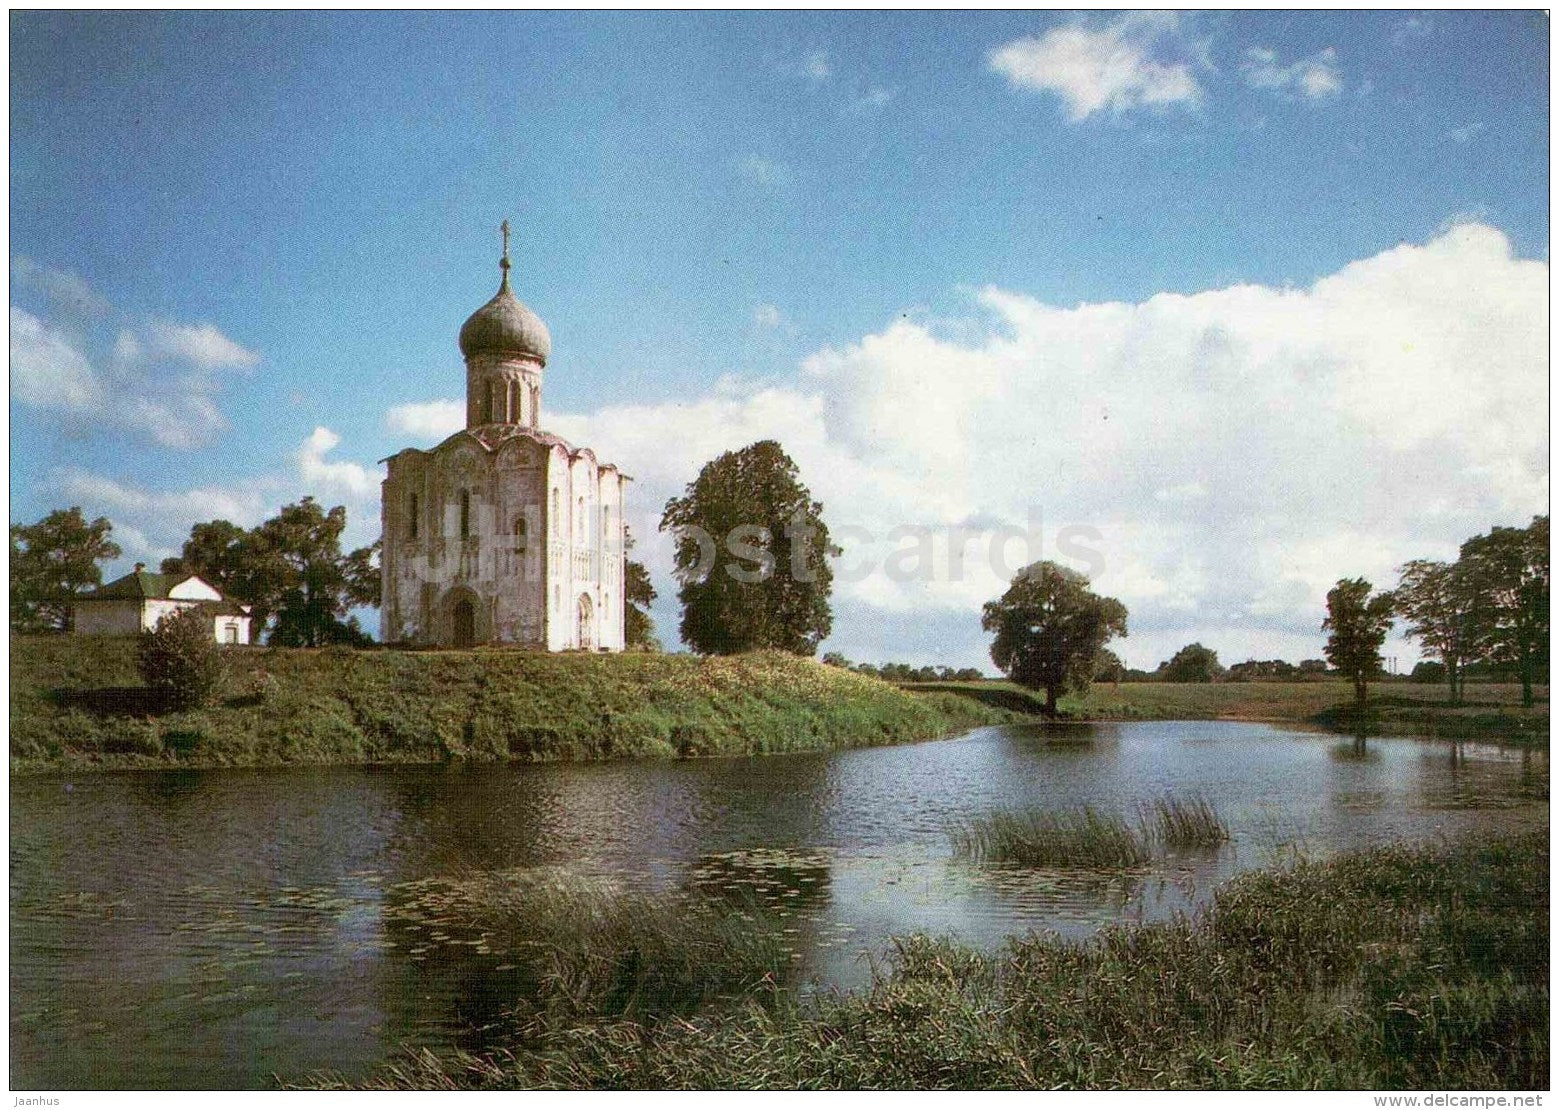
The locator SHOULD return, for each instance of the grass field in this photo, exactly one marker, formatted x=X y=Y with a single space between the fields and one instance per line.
x=1395 y=968
x=76 y=702
x=1405 y=708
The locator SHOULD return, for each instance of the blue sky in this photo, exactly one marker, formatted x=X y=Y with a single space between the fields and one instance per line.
x=242 y=245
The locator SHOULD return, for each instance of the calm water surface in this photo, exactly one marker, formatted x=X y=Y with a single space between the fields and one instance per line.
x=222 y=928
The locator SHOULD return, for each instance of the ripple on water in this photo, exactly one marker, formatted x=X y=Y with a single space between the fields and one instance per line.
x=319 y=919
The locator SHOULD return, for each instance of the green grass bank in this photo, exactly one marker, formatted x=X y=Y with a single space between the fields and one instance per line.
x=1400 y=967
x=1491 y=711
x=77 y=703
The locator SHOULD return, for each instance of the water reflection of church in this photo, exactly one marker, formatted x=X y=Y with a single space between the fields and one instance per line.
x=503 y=533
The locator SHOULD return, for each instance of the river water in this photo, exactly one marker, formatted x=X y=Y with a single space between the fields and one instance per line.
x=221 y=929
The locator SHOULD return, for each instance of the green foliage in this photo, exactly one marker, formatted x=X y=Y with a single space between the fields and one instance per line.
x=180 y=661
x=1192 y=663
x=908 y=672
x=1176 y=822
x=1072 y=838
x=639 y=591
x=1050 y=628
x=1428 y=672
x=1439 y=602
x=592 y=954
x=51 y=562
x=1397 y=968
x=772 y=592
x=1358 y=625
x=1508 y=574
x=291 y=571
x=1087 y=838
x=1266 y=670
x=639 y=628
x=218 y=551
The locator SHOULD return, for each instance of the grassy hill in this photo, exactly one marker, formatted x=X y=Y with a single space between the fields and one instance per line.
x=76 y=702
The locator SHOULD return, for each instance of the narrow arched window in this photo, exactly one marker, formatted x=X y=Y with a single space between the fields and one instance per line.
x=579 y=521
x=556 y=523
x=413 y=514
x=465 y=515
x=521 y=532
x=511 y=415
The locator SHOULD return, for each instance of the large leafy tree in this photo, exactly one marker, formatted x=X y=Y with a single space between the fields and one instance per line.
x=1050 y=629
x=751 y=555
x=1358 y=623
x=220 y=552
x=1440 y=606
x=290 y=570
x=1507 y=573
x=640 y=628
x=51 y=562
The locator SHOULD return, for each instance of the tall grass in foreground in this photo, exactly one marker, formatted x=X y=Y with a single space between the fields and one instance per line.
x=1394 y=968
x=597 y=954
x=1072 y=838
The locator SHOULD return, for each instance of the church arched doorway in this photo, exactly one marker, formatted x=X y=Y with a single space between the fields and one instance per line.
x=586 y=636
x=464 y=618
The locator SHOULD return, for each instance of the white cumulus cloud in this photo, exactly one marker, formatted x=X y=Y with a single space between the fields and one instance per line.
x=48 y=370
x=333 y=477
x=431 y=420
x=1116 y=68
x=1233 y=452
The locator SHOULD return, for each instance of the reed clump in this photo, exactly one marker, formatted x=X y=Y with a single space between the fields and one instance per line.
x=1176 y=822
x=1069 y=838
x=596 y=953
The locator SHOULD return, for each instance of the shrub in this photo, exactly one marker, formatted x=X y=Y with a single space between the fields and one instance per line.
x=180 y=661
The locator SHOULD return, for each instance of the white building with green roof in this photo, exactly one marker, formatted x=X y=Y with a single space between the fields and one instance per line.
x=135 y=603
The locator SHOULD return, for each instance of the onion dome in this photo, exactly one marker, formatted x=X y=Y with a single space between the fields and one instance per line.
x=504 y=326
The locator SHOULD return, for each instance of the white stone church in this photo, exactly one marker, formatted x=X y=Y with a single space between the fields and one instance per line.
x=503 y=533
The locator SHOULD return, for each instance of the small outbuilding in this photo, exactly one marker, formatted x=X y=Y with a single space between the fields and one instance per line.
x=136 y=602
